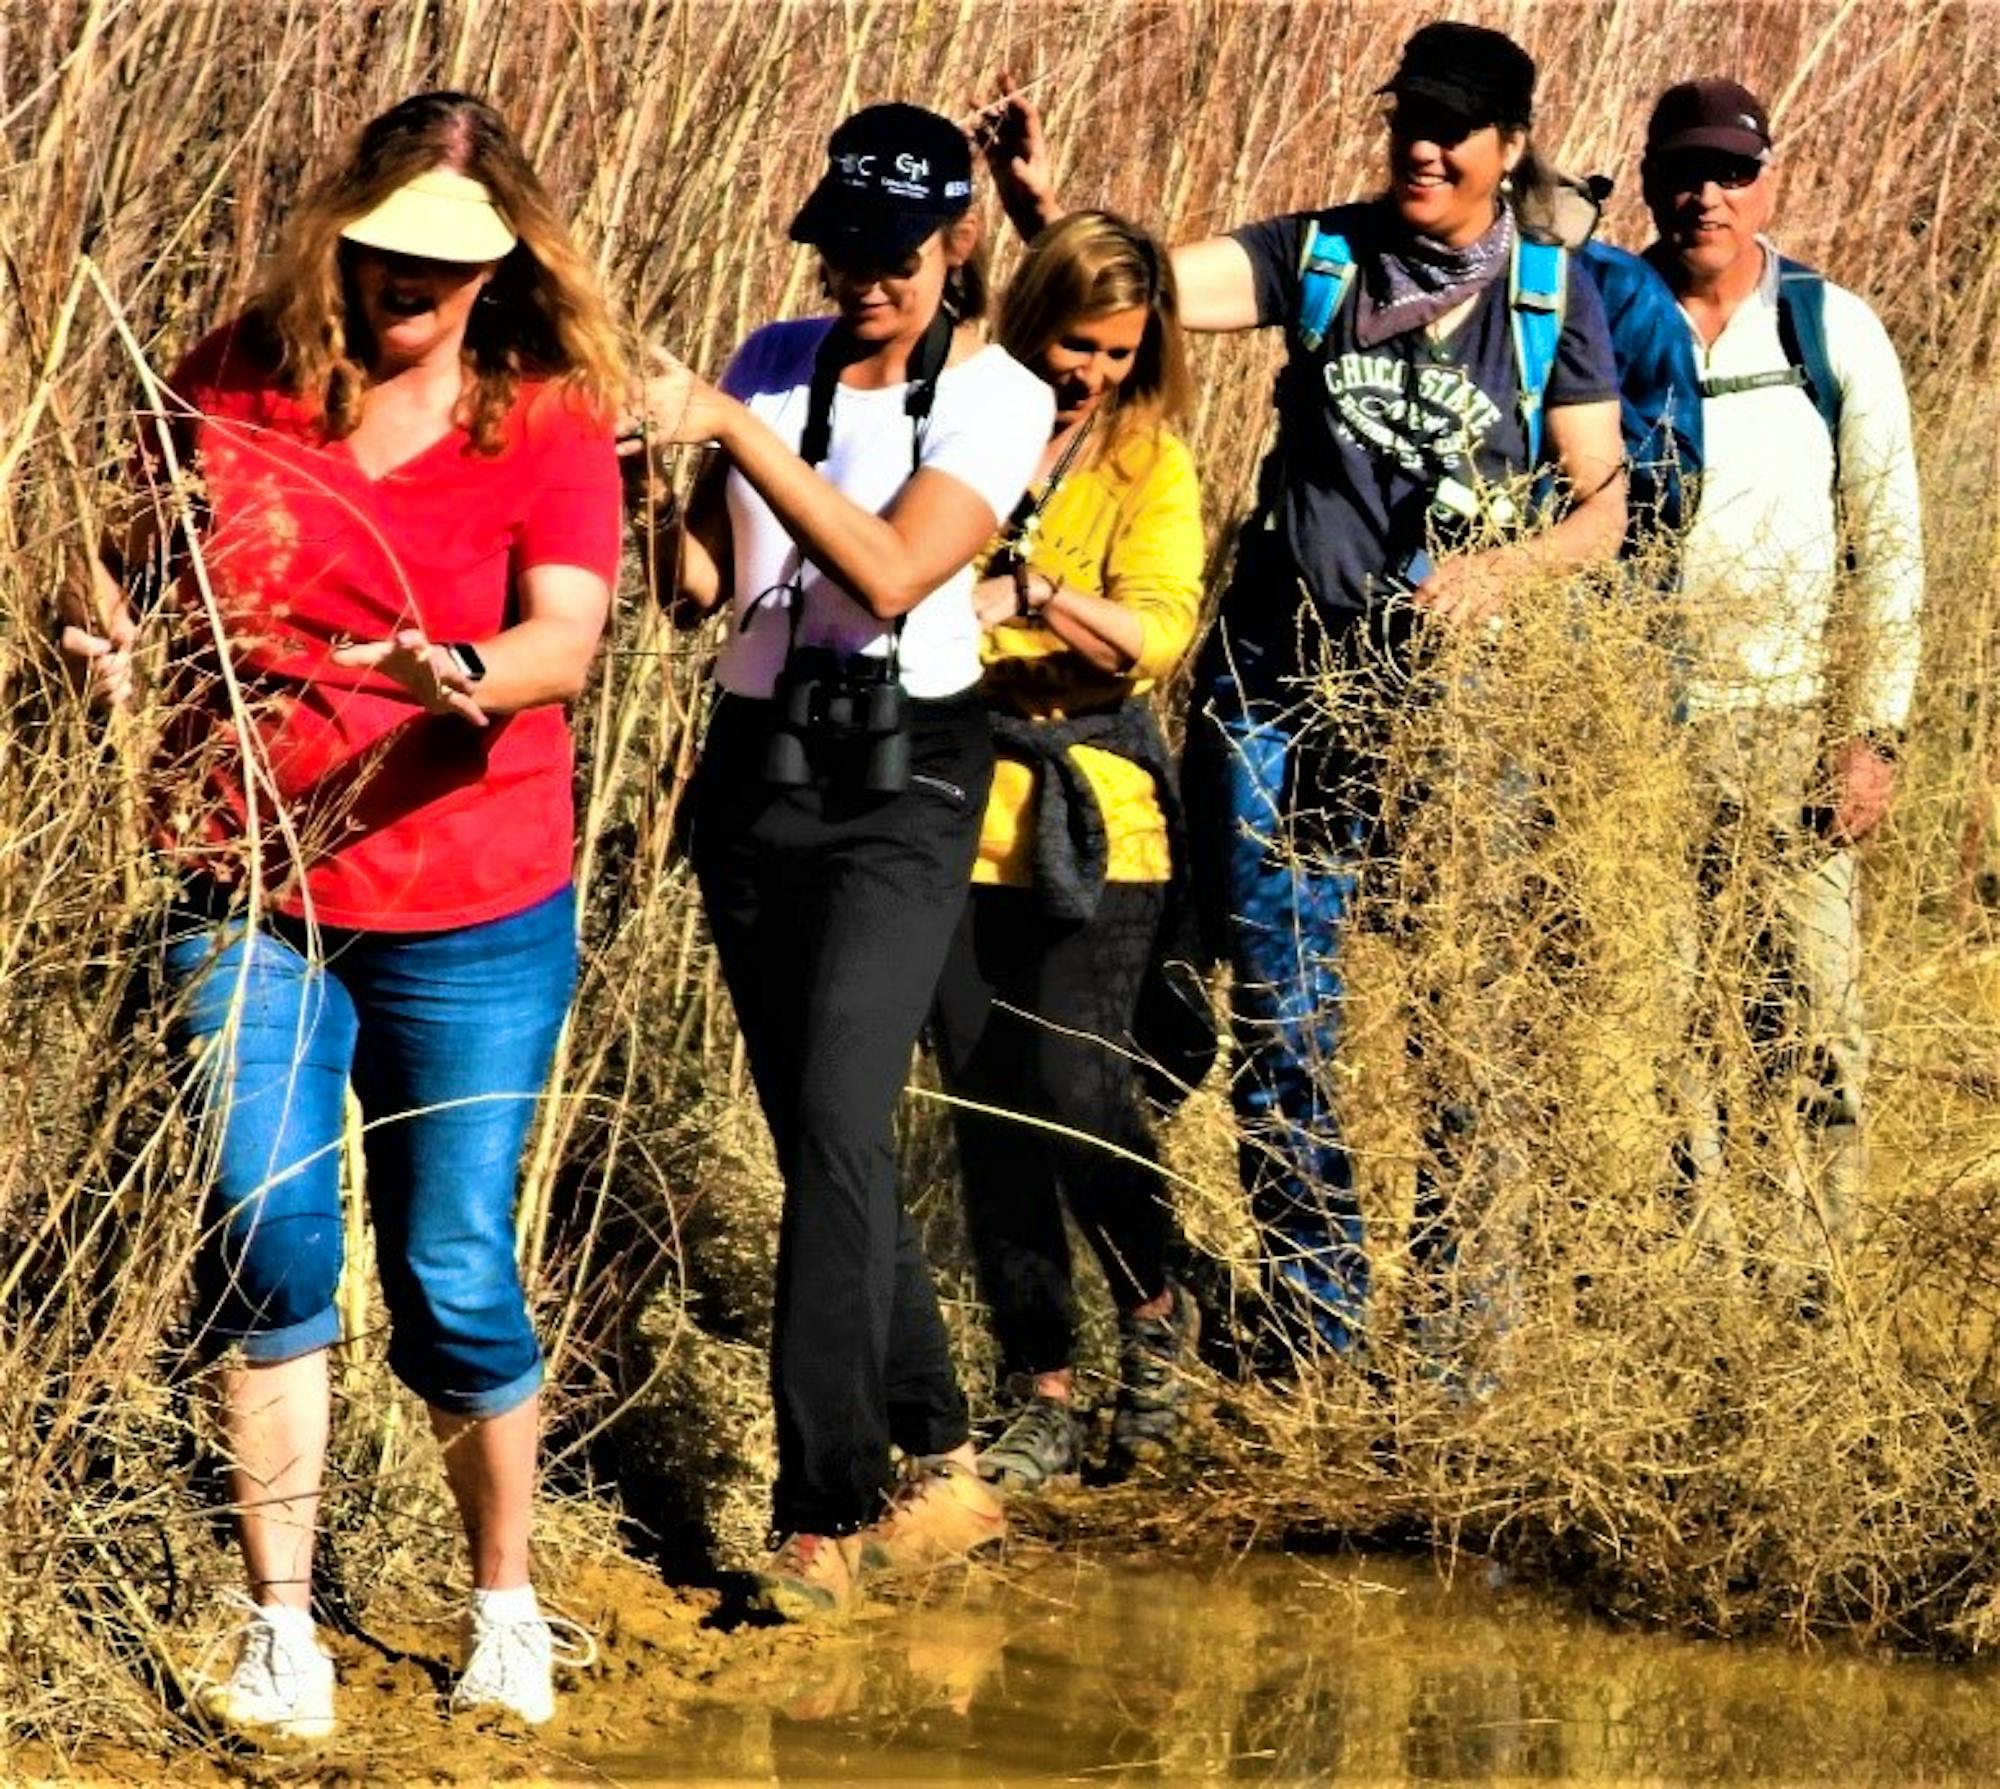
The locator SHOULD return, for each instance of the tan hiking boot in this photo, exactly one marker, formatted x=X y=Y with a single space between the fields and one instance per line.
x=809 y=1577
x=941 y=1514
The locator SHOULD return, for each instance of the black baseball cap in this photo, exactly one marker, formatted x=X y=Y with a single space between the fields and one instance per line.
x=1468 y=71
x=895 y=174
x=1709 y=114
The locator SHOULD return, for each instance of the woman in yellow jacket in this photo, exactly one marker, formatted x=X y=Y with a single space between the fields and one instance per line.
x=1089 y=597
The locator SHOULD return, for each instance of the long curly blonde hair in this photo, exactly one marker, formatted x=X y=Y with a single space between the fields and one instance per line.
x=1087 y=265
x=541 y=316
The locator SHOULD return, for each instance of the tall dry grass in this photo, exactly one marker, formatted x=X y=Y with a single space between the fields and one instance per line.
x=1663 y=1431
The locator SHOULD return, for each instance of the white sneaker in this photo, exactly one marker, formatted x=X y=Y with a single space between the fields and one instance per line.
x=510 y=1663
x=282 y=1686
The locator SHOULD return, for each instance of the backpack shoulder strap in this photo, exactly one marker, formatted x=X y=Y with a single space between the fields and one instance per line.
x=1802 y=335
x=1537 y=292
x=1326 y=270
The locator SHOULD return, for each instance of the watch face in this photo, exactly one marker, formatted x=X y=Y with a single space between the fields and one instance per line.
x=467 y=659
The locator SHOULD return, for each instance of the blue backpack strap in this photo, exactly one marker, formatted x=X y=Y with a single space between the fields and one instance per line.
x=1802 y=335
x=1537 y=290
x=1659 y=389
x=1326 y=270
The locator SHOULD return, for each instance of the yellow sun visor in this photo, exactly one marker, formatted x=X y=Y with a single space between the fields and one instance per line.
x=441 y=216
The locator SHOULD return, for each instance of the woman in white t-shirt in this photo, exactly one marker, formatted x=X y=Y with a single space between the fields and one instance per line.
x=865 y=459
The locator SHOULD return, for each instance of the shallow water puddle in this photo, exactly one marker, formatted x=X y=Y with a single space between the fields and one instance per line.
x=1323 y=1670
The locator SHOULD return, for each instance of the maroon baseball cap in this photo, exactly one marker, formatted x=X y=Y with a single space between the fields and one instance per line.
x=1709 y=114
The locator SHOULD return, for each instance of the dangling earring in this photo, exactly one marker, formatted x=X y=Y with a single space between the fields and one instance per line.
x=952 y=303
x=1507 y=184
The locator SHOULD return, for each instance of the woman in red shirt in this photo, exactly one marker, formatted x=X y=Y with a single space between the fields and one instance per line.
x=408 y=530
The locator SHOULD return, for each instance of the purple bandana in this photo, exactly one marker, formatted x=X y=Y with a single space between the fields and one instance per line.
x=1424 y=279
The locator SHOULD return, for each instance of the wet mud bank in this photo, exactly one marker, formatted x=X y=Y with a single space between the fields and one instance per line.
x=1058 y=1666
x=1354 y=1669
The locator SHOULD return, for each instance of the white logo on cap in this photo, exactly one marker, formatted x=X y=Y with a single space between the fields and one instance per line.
x=857 y=167
x=913 y=167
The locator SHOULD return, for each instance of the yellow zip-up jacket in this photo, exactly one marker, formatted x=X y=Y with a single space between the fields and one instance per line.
x=1128 y=528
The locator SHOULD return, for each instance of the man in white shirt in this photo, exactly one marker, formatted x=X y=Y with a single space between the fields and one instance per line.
x=1808 y=506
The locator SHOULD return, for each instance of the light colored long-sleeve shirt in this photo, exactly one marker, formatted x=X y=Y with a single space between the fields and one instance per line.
x=1764 y=555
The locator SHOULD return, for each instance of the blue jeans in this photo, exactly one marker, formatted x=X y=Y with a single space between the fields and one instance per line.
x=1281 y=819
x=447 y=1038
x=1281 y=904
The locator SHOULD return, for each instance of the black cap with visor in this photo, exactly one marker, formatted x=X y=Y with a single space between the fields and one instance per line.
x=1468 y=73
x=896 y=174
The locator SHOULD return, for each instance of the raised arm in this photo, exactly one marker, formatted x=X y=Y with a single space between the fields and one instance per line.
x=1217 y=288
x=688 y=552
x=1008 y=131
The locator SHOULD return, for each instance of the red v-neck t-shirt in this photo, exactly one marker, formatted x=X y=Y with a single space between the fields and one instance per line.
x=373 y=814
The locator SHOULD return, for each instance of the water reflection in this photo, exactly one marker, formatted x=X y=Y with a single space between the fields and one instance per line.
x=1340 y=1671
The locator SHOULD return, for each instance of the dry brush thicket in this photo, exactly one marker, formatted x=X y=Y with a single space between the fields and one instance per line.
x=1663 y=1428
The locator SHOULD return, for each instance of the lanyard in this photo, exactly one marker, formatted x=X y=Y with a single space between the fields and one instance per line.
x=1036 y=499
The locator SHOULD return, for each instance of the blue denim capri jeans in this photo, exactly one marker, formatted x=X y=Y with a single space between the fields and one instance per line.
x=447 y=1038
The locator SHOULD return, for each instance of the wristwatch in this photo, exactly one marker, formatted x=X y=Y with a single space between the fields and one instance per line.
x=465 y=659
x=1023 y=609
x=1026 y=608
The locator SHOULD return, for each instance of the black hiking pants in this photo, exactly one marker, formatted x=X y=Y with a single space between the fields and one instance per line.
x=1061 y=1054
x=832 y=910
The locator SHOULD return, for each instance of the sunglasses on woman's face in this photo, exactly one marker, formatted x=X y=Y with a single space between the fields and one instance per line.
x=1421 y=120
x=1691 y=172
x=864 y=268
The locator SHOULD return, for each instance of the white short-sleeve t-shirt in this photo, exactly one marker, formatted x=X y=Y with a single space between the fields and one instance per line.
x=989 y=421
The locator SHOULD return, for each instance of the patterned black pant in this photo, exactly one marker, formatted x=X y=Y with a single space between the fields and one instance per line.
x=1061 y=1057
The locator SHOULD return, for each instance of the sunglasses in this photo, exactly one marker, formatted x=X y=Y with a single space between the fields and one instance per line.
x=1425 y=120
x=864 y=266
x=1690 y=173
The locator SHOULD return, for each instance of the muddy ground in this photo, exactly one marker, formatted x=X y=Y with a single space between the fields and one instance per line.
x=658 y=1645
x=664 y=1650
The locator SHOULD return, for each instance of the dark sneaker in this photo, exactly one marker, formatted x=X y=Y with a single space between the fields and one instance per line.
x=1040 y=1449
x=809 y=1577
x=941 y=1514
x=1154 y=1355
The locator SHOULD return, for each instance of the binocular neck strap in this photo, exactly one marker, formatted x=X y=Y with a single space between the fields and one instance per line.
x=926 y=363
x=839 y=351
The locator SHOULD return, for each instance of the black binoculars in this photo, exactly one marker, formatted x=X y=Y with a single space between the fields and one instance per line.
x=842 y=715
